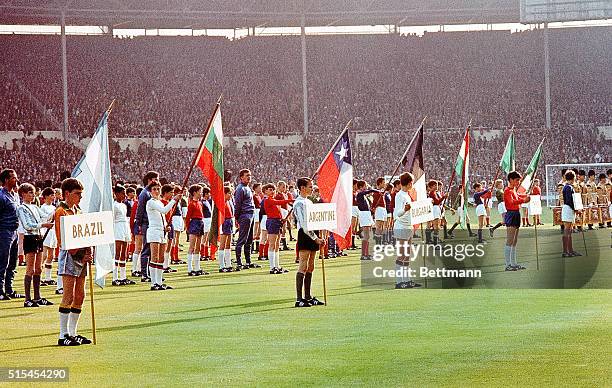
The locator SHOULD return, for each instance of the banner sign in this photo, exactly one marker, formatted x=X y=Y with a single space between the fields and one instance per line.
x=421 y=211
x=321 y=216
x=87 y=230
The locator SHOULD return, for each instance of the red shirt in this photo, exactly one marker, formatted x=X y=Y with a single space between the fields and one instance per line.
x=378 y=199
x=512 y=199
x=272 y=207
x=281 y=197
x=257 y=200
x=133 y=214
x=194 y=211
x=229 y=211
x=393 y=194
x=435 y=197
x=536 y=191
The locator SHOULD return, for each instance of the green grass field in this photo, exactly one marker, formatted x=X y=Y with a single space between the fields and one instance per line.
x=241 y=329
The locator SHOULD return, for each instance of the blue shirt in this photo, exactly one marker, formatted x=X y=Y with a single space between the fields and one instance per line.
x=568 y=195
x=362 y=204
x=9 y=203
x=477 y=200
x=243 y=201
x=141 y=218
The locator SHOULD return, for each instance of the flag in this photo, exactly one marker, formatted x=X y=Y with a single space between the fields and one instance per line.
x=507 y=162
x=93 y=170
x=210 y=160
x=412 y=161
x=336 y=186
x=531 y=170
x=462 y=172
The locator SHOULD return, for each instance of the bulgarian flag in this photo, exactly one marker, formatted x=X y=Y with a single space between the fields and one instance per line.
x=531 y=170
x=210 y=160
x=508 y=160
x=462 y=171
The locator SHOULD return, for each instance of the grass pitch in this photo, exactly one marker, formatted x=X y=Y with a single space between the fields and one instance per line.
x=241 y=329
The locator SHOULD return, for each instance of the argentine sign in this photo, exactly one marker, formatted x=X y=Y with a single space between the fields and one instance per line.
x=87 y=230
x=321 y=216
x=421 y=211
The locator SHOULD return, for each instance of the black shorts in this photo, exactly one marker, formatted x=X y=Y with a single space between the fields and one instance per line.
x=305 y=243
x=512 y=218
x=32 y=244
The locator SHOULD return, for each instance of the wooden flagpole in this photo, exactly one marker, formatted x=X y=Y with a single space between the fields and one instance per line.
x=91 y=300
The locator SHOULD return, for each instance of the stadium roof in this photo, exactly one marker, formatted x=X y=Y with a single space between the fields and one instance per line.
x=199 y=14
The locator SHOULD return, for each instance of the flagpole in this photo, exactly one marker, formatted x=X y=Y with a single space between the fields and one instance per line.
x=399 y=164
x=91 y=299
x=454 y=173
x=332 y=148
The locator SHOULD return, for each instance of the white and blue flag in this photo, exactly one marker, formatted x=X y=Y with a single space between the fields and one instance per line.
x=93 y=170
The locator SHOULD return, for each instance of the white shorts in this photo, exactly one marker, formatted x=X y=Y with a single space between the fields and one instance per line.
x=50 y=240
x=365 y=218
x=501 y=208
x=437 y=212
x=490 y=204
x=460 y=212
x=355 y=211
x=480 y=210
x=380 y=214
x=262 y=224
x=178 y=223
x=567 y=214
x=156 y=235
x=122 y=232
x=256 y=216
x=207 y=223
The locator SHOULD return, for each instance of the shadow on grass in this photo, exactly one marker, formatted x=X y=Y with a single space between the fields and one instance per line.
x=31 y=347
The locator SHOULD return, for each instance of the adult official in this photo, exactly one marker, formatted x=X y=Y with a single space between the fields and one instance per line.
x=9 y=202
x=244 y=212
x=308 y=244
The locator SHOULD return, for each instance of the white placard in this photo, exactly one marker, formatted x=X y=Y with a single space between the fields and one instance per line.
x=87 y=230
x=535 y=205
x=421 y=211
x=577 y=201
x=321 y=216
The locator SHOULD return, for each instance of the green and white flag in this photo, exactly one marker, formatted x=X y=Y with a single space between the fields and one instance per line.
x=508 y=160
x=531 y=170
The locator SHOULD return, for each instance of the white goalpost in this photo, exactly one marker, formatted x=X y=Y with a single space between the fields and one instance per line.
x=553 y=176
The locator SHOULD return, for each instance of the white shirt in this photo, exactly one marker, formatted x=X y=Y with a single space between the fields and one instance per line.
x=119 y=212
x=156 y=211
x=403 y=219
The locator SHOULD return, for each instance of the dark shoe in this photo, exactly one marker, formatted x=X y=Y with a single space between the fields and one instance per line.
x=565 y=254
x=414 y=285
x=82 y=340
x=15 y=295
x=315 y=302
x=67 y=341
x=117 y=283
x=156 y=287
x=43 y=302
x=30 y=303
x=253 y=265
x=230 y=269
x=167 y=287
x=282 y=270
x=274 y=271
x=574 y=253
x=302 y=303
x=136 y=274
x=3 y=296
x=145 y=280
x=519 y=267
x=237 y=269
x=59 y=291
x=128 y=282
x=510 y=268
x=51 y=282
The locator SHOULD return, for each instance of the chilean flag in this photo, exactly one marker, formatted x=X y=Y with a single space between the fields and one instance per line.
x=336 y=186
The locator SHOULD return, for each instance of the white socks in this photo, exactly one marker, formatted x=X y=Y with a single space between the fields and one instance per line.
x=122 y=274
x=271 y=259
x=47 y=272
x=73 y=321
x=196 y=261
x=189 y=264
x=135 y=262
x=221 y=259
x=60 y=282
x=115 y=270
x=228 y=258
x=166 y=260
x=63 y=324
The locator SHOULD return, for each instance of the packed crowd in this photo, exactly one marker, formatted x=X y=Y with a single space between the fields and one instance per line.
x=165 y=85
x=40 y=159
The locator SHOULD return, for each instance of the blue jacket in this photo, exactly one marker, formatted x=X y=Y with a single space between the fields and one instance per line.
x=141 y=218
x=9 y=203
x=243 y=201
